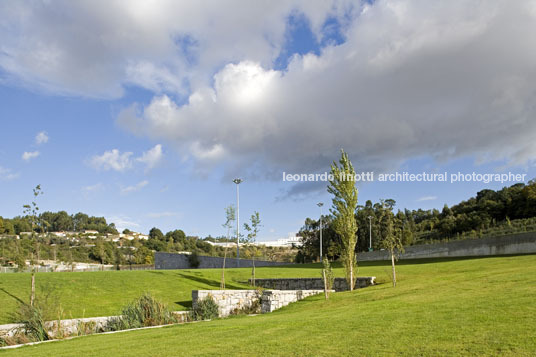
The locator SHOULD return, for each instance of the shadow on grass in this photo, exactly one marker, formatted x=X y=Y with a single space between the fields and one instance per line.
x=155 y=272
x=186 y=303
x=211 y=283
x=13 y=296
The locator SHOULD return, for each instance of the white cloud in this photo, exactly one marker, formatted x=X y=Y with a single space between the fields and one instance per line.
x=444 y=80
x=427 y=198
x=134 y=188
x=152 y=157
x=112 y=160
x=41 y=138
x=122 y=221
x=7 y=174
x=171 y=46
x=441 y=79
x=28 y=155
x=163 y=214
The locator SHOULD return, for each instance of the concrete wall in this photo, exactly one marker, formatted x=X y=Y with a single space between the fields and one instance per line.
x=270 y=300
x=522 y=243
x=180 y=261
x=339 y=284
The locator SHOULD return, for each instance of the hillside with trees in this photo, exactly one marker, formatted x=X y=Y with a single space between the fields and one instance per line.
x=490 y=213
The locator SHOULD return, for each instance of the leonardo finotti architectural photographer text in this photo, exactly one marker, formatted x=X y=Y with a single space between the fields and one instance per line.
x=410 y=177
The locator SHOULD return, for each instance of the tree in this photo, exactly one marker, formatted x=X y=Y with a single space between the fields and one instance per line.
x=32 y=210
x=342 y=187
x=229 y=219
x=253 y=229
x=392 y=237
x=156 y=233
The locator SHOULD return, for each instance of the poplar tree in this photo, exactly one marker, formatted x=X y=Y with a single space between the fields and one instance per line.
x=253 y=230
x=342 y=187
x=229 y=219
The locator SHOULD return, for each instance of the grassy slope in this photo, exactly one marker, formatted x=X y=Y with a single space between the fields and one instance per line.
x=472 y=307
x=104 y=293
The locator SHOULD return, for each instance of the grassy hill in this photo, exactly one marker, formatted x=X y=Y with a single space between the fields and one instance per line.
x=440 y=307
x=91 y=294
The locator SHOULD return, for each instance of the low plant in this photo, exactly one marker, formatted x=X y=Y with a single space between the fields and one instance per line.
x=143 y=312
x=205 y=309
x=17 y=339
x=85 y=327
x=31 y=317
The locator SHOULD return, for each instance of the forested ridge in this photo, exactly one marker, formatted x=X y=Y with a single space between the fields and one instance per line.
x=489 y=213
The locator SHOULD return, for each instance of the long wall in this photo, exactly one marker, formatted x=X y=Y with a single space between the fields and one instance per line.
x=180 y=261
x=522 y=243
x=339 y=284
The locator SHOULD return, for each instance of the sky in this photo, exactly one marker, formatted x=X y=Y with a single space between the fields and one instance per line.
x=145 y=111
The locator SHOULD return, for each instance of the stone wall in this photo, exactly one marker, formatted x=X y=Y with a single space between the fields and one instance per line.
x=276 y=299
x=522 y=243
x=71 y=327
x=269 y=300
x=339 y=284
x=180 y=261
x=227 y=300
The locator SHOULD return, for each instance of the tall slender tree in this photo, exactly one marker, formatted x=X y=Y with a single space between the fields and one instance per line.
x=253 y=229
x=391 y=233
x=229 y=219
x=342 y=187
x=32 y=211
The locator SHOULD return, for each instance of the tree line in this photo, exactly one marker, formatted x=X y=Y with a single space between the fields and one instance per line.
x=55 y=222
x=508 y=210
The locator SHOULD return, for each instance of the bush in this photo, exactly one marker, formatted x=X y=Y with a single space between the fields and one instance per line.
x=205 y=309
x=193 y=260
x=146 y=311
x=33 y=322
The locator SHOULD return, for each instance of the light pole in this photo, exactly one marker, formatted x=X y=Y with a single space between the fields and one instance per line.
x=320 y=204
x=237 y=181
x=370 y=233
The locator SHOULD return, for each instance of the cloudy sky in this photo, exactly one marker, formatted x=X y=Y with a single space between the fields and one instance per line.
x=144 y=111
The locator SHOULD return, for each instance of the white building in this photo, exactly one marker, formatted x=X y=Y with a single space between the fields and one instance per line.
x=284 y=242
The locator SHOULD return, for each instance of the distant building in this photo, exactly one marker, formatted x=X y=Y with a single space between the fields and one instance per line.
x=90 y=231
x=284 y=242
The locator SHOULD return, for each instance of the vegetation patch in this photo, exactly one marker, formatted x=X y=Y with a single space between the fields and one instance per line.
x=205 y=309
x=143 y=312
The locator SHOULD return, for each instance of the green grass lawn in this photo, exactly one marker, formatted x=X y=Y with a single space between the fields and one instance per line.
x=480 y=306
x=91 y=294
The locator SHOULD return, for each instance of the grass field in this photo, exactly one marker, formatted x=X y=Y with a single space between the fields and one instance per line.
x=480 y=306
x=91 y=294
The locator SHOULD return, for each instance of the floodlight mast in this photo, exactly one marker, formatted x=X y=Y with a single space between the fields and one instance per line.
x=237 y=181
x=320 y=204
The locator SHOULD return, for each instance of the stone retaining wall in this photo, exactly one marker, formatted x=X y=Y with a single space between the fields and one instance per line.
x=269 y=300
x=71 y=327
x=276 y=299
x=227 y=300
x=339 y=284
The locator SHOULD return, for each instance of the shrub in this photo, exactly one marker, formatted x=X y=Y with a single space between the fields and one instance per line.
x=33 y=322
x=193 y=260
x=205 y=309
x=145 y=311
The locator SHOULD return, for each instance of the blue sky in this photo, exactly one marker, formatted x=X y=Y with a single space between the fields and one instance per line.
x=144 y=113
